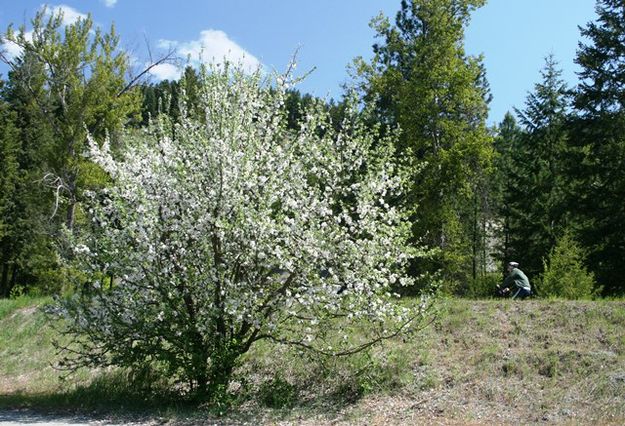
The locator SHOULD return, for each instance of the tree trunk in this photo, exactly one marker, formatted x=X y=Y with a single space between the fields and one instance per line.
x=7 y=284
x=72 y=188
x=4 y=283
x=211 y=383
x=475 y=239
x=220 y=374
x=13 y=281
x=71 y=211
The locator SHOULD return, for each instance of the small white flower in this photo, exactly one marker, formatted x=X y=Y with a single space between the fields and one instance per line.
x=81 y=249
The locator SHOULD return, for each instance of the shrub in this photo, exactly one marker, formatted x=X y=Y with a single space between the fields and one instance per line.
x=278 y=393
x=565 y=274
x=232 y=228
x=483 y=286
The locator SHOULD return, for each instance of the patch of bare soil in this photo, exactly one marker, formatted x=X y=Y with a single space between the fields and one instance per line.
x=24 y=312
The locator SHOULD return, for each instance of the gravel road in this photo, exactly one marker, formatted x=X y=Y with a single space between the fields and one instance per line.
x=30 y=418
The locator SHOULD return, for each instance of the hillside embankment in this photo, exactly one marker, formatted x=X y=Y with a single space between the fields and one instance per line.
x=479 y=362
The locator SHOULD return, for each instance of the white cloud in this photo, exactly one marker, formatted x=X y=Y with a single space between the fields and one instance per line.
x=109 y=3
x=12 y=50
x=165 y=71
x=214 y=47
x=70 y=15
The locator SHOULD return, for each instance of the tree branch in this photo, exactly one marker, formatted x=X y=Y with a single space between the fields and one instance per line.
x=167 y=57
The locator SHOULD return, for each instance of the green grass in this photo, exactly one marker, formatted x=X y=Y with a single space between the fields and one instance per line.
x=25 y=344
x=529 y=362
x=9 y=306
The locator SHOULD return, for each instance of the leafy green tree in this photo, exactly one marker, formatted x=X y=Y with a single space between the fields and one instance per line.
x=565 y=274
x=84 y=89
x=66 y=81
x=599 y=138
x=421 y=79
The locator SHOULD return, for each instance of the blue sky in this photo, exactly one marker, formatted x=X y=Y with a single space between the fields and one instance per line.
x=513 y=35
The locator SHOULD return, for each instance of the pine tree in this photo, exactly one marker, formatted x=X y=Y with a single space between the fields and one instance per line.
x=27 y=246
x=599 y=137
x=565 y=274
x=164 y=97
x=603 y=75
x=506 y=183
x=422 y=80
x=537 y=202
x=9 y=176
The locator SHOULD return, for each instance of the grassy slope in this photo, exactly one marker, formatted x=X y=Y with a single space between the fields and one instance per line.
x=527 y=362
x=484 y=362
x=25 y=347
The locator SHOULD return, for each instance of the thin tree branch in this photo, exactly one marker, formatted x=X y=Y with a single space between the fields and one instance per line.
x=167 y=57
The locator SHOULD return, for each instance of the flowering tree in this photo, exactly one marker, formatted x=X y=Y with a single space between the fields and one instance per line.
x=223 y=230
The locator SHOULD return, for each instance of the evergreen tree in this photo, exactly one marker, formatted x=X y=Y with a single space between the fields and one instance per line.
x=26 y=246
x=9 y=175
x=600 y=144
x=67 y=81
x=603 y=75
x=536 y=199
x=422 y=80
x=164 y=97
x=296 y=105
x=159 y=98
x=506 y=182
x=565 y=274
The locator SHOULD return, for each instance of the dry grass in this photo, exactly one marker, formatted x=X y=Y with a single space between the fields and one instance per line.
x=481 y=362
x=493 y=362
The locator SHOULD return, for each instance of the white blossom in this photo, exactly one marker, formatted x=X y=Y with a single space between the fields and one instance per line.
x=239 y=225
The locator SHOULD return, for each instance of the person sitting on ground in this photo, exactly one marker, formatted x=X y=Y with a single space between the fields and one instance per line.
x=516 y=283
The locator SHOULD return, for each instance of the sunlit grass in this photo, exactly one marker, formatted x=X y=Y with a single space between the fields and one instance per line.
x=481 y=351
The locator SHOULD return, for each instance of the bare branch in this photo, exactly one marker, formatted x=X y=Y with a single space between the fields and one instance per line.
x=55 y=182
x=353 y=350
x=291 y=67
x=168 y=57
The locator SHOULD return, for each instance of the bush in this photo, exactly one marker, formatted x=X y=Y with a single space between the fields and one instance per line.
x=278 y=393
x=237 y=230
x=565 y=274
x=483 y=286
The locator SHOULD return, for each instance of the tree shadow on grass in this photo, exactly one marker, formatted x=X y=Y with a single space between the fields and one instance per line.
x=112 y=396
x=83 y=405
x=78 y=405
x=109 y=396
x=81 y=409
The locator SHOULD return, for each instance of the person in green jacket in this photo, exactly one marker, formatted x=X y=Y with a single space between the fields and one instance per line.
x=516 y=283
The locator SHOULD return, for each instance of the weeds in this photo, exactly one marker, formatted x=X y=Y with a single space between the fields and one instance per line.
x=278 y=393
x=530 y=361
